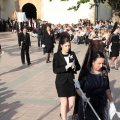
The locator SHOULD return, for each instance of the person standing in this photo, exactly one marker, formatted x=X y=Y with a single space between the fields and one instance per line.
x=0 y=48
x=94 y=82
x=24 y=44
x=48 y=42
x=39 y=35
x=115 y=47
x=65 y=65
x=29 y=25
x=34 y=26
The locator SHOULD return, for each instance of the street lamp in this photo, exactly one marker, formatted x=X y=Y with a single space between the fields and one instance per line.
x=97 y=3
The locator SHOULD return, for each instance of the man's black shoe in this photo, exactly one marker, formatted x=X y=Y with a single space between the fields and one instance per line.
x=29 y=63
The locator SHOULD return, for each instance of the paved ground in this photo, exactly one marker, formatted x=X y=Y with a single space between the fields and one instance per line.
x=28 y=93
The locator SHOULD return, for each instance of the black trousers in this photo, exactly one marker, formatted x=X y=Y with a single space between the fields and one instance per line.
x=23 y=52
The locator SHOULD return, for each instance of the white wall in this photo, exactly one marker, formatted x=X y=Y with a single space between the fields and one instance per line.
x=104 y=12
x=8 y=7
x=56 y=11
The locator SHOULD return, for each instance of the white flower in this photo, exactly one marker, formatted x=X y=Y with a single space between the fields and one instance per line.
x=71 y=56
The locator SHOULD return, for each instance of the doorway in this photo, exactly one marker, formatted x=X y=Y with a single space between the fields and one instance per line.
x=30 y=11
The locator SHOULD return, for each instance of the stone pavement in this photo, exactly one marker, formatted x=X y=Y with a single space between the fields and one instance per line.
x=28 y=92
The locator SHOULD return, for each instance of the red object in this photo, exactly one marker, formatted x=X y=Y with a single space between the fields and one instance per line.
x=89 y=29
x=51 y=35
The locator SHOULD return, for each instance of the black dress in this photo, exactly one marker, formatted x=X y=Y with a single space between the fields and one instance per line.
x=67 y=89
x=115 y=46
x=94 y=86
x=48 y=41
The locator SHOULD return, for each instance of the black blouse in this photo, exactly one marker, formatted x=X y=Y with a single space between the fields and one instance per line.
x=115 y=41
x=94 y=84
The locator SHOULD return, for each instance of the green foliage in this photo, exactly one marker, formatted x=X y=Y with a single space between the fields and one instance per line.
x=37 y=20
x=78 y=4
x=115 y=4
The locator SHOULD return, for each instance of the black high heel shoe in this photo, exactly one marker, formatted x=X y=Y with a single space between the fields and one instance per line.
x=112 y=67
x=48 y=61
x=60 y=116
x=116 y=68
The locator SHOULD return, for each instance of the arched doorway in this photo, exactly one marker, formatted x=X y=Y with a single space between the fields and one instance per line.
x=30 y=10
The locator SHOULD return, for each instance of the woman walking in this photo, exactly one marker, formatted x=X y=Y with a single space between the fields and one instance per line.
x=115 y=47
x=65 y=65
x=95 y=83
x=48 y=42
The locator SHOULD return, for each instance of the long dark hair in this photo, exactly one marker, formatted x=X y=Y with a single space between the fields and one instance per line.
x=48 y=25
x=96 y=55
x=61 y=42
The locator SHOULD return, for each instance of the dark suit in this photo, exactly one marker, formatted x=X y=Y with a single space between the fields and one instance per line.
x=24 y=41
x=59 y=64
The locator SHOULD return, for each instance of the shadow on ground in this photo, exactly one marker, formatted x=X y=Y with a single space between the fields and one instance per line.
x=34 y=62
x=7 y=110
x=48 y=112
x=15 y=51
x=116 y=97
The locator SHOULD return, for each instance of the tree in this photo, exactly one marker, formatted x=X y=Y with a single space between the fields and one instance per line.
x=114 y=4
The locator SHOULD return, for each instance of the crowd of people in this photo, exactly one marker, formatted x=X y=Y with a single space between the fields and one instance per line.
x=103 y=40
x=104 y=43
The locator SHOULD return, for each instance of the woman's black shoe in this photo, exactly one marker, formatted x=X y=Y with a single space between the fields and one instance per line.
x=116 y=68
x=112 y=67
x=48 y=61
x=60 y=116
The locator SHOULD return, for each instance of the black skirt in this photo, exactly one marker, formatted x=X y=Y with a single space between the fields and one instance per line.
x=115 y=52
x=48 y=48
x=65 y=90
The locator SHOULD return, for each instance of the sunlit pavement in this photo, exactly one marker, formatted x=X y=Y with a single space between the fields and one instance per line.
x=28 y=92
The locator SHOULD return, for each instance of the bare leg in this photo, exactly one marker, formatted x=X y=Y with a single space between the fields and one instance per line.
x=71 y=101
x=47 y=55
x=63 y=107
x=66 y=106
x=112 y=61
x=116 y=61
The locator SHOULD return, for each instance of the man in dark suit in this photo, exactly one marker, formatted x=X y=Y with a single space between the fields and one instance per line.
x=24 y=44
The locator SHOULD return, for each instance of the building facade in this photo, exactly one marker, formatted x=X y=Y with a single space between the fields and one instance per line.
x=54 y=12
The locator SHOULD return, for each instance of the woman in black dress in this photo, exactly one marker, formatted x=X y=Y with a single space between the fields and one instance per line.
x=115 y=47
x=65 y=65
x=94 y=82
x=48 y=42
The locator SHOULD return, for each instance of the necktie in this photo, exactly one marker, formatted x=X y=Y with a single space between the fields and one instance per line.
x=24 y=36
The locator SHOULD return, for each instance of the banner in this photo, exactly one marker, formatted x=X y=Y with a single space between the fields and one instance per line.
x=21 y=16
